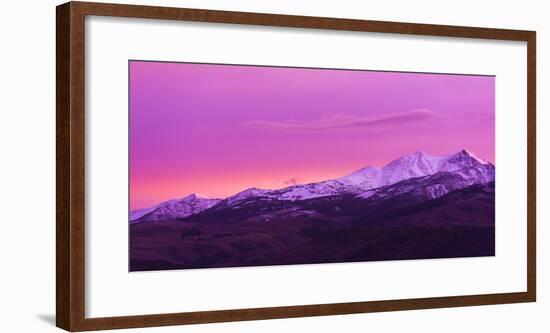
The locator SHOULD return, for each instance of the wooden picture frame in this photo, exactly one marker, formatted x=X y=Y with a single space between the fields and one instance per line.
x=70 y=194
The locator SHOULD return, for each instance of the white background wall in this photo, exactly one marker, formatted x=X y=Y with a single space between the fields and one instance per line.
x=27 y=164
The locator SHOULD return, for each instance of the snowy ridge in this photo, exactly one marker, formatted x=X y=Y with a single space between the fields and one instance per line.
x=433 y=177
x=173 y=209
x=136 y=214
x=436 y=185
x=418 y=164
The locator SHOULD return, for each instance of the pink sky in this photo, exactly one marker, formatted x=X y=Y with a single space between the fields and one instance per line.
x=219 y=129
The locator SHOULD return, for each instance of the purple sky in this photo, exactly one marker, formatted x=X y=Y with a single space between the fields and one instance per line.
x=219 y=129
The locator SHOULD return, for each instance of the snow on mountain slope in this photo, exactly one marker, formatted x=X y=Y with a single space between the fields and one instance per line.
x=295 y=192
x=419 y=164
x=365 y=178
x=136 y=214
x=248 y=193
x=467 y=169
x=313 y=190
x=436 y=185
x=460 y=160
x=173 y=209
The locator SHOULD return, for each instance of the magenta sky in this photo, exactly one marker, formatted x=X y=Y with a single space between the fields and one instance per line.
x=219 y=129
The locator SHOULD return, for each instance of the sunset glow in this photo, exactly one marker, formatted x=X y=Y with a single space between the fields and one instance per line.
x=219 y=129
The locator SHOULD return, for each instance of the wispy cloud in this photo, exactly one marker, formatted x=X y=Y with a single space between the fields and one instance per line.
x=342 y=121
x=291 y=181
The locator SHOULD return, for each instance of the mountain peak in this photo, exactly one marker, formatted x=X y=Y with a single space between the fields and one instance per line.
x=469 y=154
x=368 y=168
x=249 y=192
x=421 y=153
x=417 y=164
x=361 y=177
x=174 y=209
x=195 y=196
x=465 y=152
x=418 y=155
x=191 y=196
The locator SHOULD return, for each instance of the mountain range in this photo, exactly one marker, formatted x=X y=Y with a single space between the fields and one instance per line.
x=419 y=177
x=418 y=206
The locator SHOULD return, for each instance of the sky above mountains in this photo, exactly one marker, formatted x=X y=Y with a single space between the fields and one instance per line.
x=218 y=129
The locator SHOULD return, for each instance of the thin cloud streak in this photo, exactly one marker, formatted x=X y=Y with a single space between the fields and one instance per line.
x=291 y=181
x=342 y=121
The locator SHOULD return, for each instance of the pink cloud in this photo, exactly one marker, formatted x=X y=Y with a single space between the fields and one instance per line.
x=343 y=121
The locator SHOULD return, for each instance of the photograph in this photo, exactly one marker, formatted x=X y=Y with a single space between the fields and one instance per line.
x=274 y=166
x=243 y=165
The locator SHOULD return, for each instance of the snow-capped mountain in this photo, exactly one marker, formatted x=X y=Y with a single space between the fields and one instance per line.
x=292 y=193
x=418 y=206
x=435 y=185
x=430 y=177
x=173 y=209
x=418 y=164
x=138 y=213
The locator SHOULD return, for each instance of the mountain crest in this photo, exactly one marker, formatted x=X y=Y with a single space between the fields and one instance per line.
x=469 y=154
x=194 y=196
x=174 y=209
x=465 y=166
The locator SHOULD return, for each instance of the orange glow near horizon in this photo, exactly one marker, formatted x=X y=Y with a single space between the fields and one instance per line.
x=217 y=129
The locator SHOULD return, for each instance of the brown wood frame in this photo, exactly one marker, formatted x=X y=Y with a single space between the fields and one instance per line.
x=70 y=254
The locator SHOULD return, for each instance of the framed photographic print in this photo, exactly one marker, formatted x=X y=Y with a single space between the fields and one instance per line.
x=222 y=166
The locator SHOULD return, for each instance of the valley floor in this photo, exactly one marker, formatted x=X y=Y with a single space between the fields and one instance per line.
x=171 y=245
